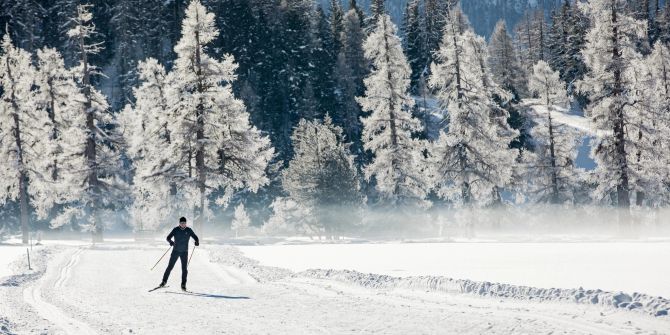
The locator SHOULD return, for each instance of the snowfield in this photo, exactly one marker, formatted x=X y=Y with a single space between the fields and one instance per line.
x=102 y=289
x=619 y=266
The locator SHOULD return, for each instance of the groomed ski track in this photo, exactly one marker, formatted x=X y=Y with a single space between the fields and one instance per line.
x=103 y=290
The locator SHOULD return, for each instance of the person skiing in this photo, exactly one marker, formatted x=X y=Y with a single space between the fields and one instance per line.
x=181 y=235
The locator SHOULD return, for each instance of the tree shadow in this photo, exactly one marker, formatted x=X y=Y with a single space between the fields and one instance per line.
x=207 y=295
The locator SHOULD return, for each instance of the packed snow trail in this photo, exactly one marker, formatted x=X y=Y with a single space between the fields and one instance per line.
x=103 y=290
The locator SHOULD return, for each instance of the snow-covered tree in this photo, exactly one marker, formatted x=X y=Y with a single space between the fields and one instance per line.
x=103 y=187
x=147 y=135
x=241 y=220
x=657 y=91
x=471 y=159
x=609 y=55
x=565 y=40
x=58 y=96
x=504 y=63
x=552 y=171
x=413 y=43
x=649 y=128
x=214 y=147
x=398 y=166
x=22 y=129
x=531 y=39
x=322 y=176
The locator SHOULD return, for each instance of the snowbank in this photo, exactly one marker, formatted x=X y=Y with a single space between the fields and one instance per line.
x=656 y=306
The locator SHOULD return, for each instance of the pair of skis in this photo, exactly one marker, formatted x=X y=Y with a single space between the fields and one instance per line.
x=166 y=286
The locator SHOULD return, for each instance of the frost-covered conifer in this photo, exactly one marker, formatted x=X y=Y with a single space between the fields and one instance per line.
x=471 y=159
x=552 y=171
x=103 y=187
x=609 y=55
x=241 y=220
x=22 y=128
x=147 y=135
x=214 y=147
x=398 y=166
x=322 y=176
x=58 y=96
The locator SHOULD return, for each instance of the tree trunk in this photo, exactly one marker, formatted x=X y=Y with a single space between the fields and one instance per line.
x=200 y=136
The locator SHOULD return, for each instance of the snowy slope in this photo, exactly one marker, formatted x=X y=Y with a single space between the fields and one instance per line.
x=536 y=111
x=103 y=289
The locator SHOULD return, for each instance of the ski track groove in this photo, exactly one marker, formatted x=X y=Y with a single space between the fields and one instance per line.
x=33 y=296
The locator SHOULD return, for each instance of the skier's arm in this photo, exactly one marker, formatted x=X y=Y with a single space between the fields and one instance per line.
x=169 y=237
x=195 y=237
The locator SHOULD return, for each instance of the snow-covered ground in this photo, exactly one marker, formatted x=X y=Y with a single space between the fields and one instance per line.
x=102 y=289
x=617 y=266
x=8 y=254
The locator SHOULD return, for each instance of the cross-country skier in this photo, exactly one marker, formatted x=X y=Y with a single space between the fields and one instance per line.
x=181 y=235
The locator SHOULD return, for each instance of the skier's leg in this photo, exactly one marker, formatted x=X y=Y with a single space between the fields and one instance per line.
x=184 y=270
x=173 y=260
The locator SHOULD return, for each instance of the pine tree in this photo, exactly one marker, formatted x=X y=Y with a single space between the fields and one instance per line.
x=336 y=24
x=214 y=146
x=398 y=166
x=147 y=135
x=504 y=63
x=241 y=220
x=412 y=45
x=566 y=39
x=58 y=96
x=22 y=128
x=377 y=9
x=552 y=170
x=322 y=176
x=471 y=161
x=656 y=93
x=507 y=72
x=102 y=151
x=609 y=53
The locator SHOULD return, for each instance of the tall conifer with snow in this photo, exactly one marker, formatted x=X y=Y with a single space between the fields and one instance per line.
x=322 y=176
x=58 y=96
x=552 y=171
x=398 y=166
x=657 y=95
x=504 y=62
x=214 y=147
x=147 y=135
x=609 y=55
x=104 y=188
x=471 y=159
x=565 y=40
x=22 y=129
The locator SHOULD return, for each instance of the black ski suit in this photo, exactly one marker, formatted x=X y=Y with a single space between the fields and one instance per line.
x=180 y=250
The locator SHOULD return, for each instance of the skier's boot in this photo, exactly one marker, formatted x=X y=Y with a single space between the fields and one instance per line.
x=183 y=287
x=162 y=284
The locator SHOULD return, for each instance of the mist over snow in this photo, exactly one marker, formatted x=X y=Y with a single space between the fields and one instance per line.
x=331 y=166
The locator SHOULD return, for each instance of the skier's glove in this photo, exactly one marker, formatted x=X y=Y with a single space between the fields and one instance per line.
x=171 y=243
x=197 y=244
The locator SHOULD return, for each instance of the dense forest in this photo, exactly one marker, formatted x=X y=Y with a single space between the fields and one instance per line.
x=302 y=117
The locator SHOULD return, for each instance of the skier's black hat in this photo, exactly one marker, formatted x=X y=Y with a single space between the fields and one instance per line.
x=182 y=219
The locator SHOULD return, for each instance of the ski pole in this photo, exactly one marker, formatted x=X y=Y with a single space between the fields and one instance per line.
x=159 y=260
x=189 y=259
